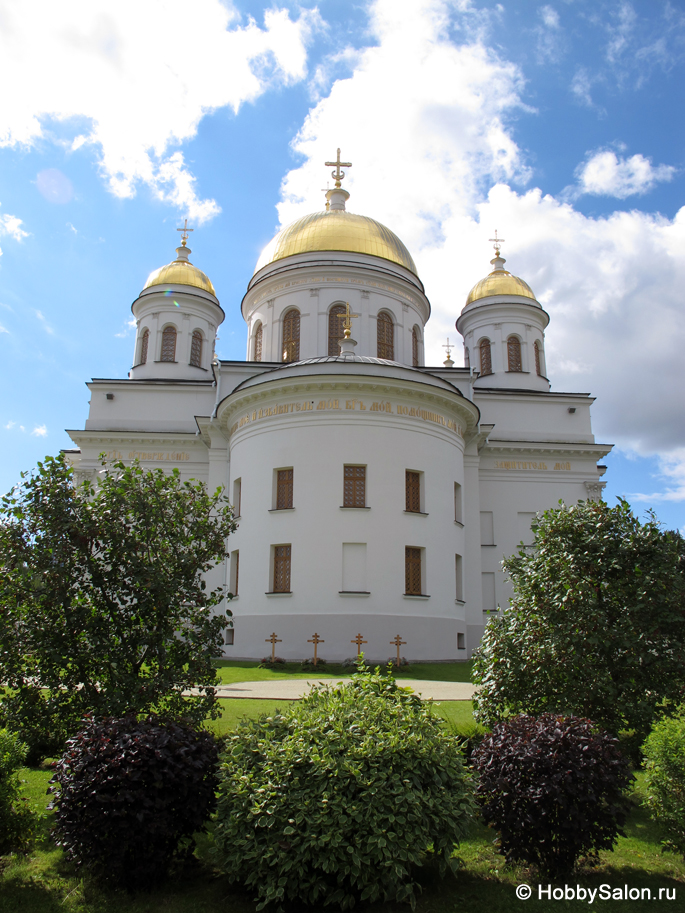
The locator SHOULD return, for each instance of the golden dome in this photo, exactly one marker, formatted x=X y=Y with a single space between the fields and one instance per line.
x=181 y=272
x=337 y=229
x=499 y=282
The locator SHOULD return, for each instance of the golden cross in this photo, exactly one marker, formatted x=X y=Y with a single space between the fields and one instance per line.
x=184 y=236
x=273 y=640
x=359 y=640
x=347 y=320
x=316 y=640
x=448 y=347
x=397 y=640
x=338 y=174
x=498 y=242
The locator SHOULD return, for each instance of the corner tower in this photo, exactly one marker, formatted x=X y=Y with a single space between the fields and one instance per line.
x=177 y=315
x=313 y=268
x=503 y=326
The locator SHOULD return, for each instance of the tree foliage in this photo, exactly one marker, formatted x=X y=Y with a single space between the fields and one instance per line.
x=104 y=603
x=17 y=820
x=130 y=794
x=554 y=788
x=664 y=753
x=338 y=799
x=596 y=626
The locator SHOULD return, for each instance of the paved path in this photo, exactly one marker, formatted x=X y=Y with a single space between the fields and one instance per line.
x=293 y=689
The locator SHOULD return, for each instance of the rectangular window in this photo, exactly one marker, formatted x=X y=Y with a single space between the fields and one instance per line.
x=237 y=491
x=281 y=569
x=489 y=600
x=412 y=571
x=354 y=567
x=487 y=531
x=413 y=491
x=525 y=533
x=284 y=489
x=354 y=486
x=459 y=580
x=457 y=503
x=234 y=572
x=229 y=637
x=461 y=641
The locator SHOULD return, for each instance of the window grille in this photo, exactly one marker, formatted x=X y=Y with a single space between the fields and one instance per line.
x=412 y=571
x=415 y=347
x=291 y=336
x=281 y=569
x=354 y=486
x=536 y=350
x=413 y=491
x=485 y=358
x=284 y=489
x=196 y=349
x=169 y=344
x=143 y=346
x=514 y=354
x=335 y=328
x=385 y=335
x=258 y=343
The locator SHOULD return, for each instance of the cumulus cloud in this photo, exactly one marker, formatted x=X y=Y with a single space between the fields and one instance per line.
x=436 y=162
x=134 y=80
x=548 y=35
x=40 y=431
x=672 y=475
x=11 y=226
x=606 y=174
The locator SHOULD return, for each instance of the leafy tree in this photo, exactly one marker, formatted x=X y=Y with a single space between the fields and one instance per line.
x=664 y=753
x=597 y=623
x=104 y=602
x=17 y=820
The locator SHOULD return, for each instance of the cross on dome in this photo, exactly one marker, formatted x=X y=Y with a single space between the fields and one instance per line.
x=338 y=174
x=185 y=230
x=498 y=242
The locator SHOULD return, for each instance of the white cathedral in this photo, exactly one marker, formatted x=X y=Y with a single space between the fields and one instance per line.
x=375 y=496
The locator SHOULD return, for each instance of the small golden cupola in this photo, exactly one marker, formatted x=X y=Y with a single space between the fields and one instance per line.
x=503 y=326
x=177 y=315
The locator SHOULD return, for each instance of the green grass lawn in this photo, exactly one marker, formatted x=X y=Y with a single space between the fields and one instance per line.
x=44 y=883
x=230 y=671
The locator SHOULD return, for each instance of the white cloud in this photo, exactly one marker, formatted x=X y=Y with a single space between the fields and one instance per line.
x=11 y=225
x=130 y=324
x=672 y=473
x=46 y=325
x=40 y=431
x=605 y=174
x=3 y=330
x=435 y=160
x=549 y=45
x=134 y=79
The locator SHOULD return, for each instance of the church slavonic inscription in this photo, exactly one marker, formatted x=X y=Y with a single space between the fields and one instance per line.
x=530 y=464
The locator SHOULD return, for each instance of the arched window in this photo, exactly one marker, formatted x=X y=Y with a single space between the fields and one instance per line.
x=169 y=344
x=415 y=347
x=485 y=359
x=258 y=342
x=536 y=350
x=291 y=336
x=514 y=354
x=335 y=328
x=386 y=344
x=196 y=349
x=467 y=357
x=144 y=340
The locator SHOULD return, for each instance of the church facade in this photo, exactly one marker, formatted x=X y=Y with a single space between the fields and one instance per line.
x=375 y=496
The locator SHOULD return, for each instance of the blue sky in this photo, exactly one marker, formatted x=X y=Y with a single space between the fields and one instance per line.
x=560 y=124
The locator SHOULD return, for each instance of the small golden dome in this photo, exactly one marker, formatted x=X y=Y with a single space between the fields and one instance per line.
x=181 y=272
x=499 y=282
x=337 y=229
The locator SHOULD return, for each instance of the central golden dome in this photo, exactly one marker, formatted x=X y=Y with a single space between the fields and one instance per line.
x=337 y=230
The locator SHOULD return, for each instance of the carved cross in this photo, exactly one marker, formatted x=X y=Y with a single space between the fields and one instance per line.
x=397 y=640
x=273 y=640
x=185 y=230
x=359 y=640
x=316 y=640
x=338 y=174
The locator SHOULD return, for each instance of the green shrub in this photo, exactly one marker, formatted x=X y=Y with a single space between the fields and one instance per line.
x=340 y=797
x=554 y=788
x=17 y=821
x=664 y=753
x=131 y=793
